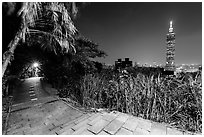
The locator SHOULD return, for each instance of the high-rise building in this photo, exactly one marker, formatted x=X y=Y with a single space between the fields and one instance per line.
x=170 y=50
x=120 y=64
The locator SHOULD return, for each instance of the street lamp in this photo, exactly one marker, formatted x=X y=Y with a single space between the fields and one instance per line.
x=35 y=65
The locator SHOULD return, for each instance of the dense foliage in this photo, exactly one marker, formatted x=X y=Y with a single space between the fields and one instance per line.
x=48 y=24
x=65 y=71
x=176 y=100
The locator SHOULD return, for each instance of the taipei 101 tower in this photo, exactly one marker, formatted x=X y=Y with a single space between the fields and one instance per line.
x=170 y=50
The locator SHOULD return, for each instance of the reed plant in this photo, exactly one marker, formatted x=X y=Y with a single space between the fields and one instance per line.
x=176 y=100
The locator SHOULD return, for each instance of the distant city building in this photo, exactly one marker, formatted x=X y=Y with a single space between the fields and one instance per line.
x=119 y=64
x=136 y=64
x=188 y=68
x=200 y=68
x=170 y=50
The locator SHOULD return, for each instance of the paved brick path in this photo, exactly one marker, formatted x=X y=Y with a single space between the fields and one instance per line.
x=49 y=115
x=44 y=116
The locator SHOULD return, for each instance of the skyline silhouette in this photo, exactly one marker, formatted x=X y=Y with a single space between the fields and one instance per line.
x=138 y=30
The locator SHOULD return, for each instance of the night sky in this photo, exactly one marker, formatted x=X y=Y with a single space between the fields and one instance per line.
x=138 y=30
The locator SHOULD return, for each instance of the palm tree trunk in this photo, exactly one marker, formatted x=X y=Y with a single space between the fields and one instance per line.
x=8 y=54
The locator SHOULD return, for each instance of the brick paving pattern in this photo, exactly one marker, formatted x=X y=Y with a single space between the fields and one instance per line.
x=51 y=116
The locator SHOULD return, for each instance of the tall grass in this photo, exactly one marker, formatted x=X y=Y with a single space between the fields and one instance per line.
x=174 y=100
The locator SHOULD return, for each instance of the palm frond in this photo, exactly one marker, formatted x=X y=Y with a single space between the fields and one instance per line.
x=52 y=19
x=30 y=12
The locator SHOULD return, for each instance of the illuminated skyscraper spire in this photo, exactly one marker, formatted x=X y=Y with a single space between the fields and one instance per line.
x=170 y=53
x=171 y=23
x=171 y=27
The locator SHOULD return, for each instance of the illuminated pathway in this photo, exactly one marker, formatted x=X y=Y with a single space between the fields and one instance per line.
x=29 y=90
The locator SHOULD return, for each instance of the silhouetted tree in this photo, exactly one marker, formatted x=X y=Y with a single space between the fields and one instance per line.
x=46 y=19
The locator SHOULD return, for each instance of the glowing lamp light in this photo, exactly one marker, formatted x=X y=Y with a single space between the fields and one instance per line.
x=35 y=65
